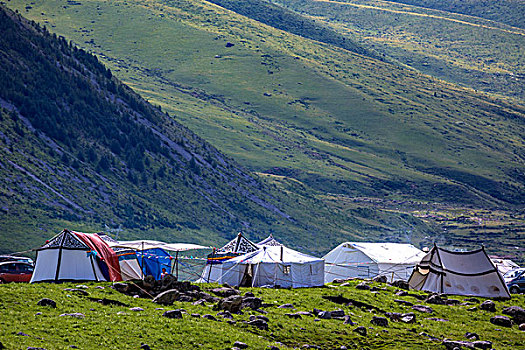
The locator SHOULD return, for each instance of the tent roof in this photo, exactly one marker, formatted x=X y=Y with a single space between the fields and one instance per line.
x=388 y=253
x=273 y=254
x=269 y=241
x=239 y=244
x=149 y=244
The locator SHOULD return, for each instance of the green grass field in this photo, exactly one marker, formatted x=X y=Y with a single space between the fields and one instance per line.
x=24 y=324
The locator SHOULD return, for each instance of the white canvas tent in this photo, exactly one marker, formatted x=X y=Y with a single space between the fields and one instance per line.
x=462 y=273
x=368 y=260
x=273 y=266
x=66 y=258
x=212 y=270
x=504 y=265
x=127 y=259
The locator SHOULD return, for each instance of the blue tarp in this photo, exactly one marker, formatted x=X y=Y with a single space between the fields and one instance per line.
x=153 y=260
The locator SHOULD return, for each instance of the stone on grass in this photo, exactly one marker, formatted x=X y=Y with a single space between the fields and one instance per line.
x=503 y=321
x=209 y=317
x=362 y=286
x=74 y=314
x=471 y=336
x=167 y=298
x=482 y=344
x=379 y=321
x=144 y=346
x=380 y=279
x=47 y=302
x=337 y=313
x=404 y=302
x=137 y=309
x=240 y=345
x=173 y=314
x=259 y=323
x=488 y=305
x=225 y=292
x=251 y=302
x=401 y=293
x=294 y=316
x=360 y=330
x=324 y=315
x=76 y=290
x=401 y=284
x=232 y=304
x=225 y=314
x=522 y=327
x=423 y=308
x=408 y=318
x=347 y=320
x=272 y=347
x=517 y=313
x=457 y=344
x=286 y=306
x=435 y=299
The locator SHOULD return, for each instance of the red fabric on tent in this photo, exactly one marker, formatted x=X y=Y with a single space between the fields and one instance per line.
x=104 y=251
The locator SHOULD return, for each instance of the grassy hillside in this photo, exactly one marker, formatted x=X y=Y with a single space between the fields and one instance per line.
x=106 y=325
x=310 y=118
x=479 y=53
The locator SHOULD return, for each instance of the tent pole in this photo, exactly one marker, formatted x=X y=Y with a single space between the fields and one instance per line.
x=177 y=264
x=142 y=259
x=211 y=265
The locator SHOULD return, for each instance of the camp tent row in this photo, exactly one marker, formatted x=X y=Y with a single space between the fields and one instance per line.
x=77 y=256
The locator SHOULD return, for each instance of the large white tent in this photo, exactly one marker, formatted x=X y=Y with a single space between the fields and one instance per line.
x=65 y=257
x=273 y=266
x=368 y=260
x=463 y=273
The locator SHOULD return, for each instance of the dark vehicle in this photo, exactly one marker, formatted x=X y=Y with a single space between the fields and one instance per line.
x=515 y=281
x=4 y=258
x=13 y=271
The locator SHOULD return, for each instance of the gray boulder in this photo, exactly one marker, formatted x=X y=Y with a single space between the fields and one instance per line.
x=259 y=323
x=380 y=279
x=517 y=313
x=74 y=314
x=240 y=345
x=457 y=344
x=251 y=302
x=435 y=299
x=362 y=286
x=379 y=321
x=503 y=321
x=423 y=308
x=404 y=302
x=225 y=292
x=209 y=317
x=401 y=284
x=360 y=330
x=173 y=314
x=167 y=298
x=47 y=302
x=294 y=316
x=232 y=304
x=488 y=305
x=482 y=344
x=286 y=306
x=324 y=315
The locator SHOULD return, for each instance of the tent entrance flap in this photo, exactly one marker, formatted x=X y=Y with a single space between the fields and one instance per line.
x=247 y=278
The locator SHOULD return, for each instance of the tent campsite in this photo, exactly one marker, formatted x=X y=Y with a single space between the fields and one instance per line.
x=462 y=273
x=76 y=256
x=368 y=260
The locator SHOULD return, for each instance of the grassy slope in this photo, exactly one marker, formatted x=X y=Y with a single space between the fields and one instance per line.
x=336 y=121
x=478 y=53
x=117 y=327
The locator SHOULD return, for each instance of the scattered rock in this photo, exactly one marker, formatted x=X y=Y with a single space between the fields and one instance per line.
x=75 y=314
x=404 y=302
x=196 y=315
x=228 y=44
x=457 y=344
x=436 y=319
x=259 y=323
x=33 y=348
x=522 y=327
x=380 y=279
x=232 y=304
x=105 y=301
x=379 y=321
x=251 y=302
x=482 y=344
x=209 y=317
x=272 y=347
x=324 y=315
x=173 y=314
x=286 y=306
x=435 y=299
x=137 y=309
x=249 y=295
x=225 y=314
x=337 y=313
x=402 y=293
x=517 y=313
x=401 y=284
x=200 y=302
x=471 y=336
x=472 y=300
x=360 y=330
x=488 y=305
x=423 y=308
x=225 y=292
x=185 y=298
x=82 y=286
x=144 y=346
x=503 y=321
x=47 y=302
x=408 y=318
x=347 y=320
x=362 y=286
x=76 y=290
x=167 y=298
x=452 y=302
x=474 y=308
x=294 y=316
x=240 y=345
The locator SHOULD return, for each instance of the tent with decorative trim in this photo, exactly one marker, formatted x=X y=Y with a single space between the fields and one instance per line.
x=463 y=273
x=127 y=259
x=273 y=266
x=395 y=261
x=238 y=246
x=76 y=256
